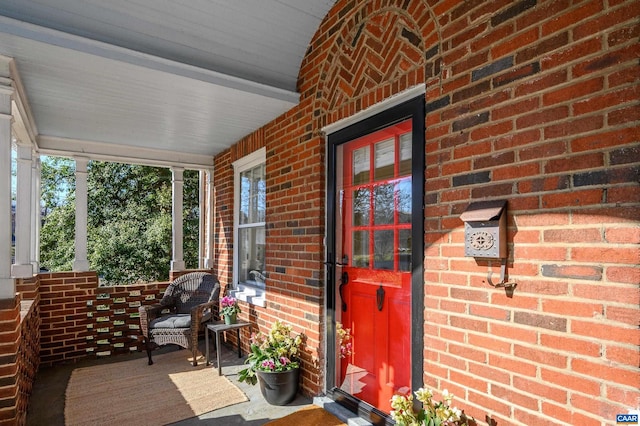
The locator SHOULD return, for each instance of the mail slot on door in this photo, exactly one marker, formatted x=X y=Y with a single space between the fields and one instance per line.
x=485 y=229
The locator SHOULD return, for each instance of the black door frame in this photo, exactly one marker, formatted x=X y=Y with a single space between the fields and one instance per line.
x=414 y=110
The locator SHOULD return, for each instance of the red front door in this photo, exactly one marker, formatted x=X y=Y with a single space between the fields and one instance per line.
x=373 y=239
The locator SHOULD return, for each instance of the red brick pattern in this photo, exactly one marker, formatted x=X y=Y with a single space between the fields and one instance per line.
x=530 y=101
x=63 y=317
x=19 y=346
x=28 y=359
x=81 y=319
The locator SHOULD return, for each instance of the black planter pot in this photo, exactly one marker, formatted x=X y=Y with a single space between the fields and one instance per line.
x=279 y=388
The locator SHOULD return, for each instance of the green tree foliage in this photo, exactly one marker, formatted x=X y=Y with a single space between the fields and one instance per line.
x=58 y=203
x=129 y=221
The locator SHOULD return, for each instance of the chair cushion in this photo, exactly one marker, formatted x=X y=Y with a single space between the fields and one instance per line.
x=172 y=321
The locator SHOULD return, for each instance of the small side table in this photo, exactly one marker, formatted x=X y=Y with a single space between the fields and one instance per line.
x=219 y=327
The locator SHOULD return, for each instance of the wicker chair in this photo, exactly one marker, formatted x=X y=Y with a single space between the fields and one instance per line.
x=188 y=302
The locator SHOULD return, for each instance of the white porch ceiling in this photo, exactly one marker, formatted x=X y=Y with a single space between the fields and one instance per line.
x=156 y=82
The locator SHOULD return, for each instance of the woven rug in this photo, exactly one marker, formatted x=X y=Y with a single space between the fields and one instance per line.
x=132 y=392
x=308 y=416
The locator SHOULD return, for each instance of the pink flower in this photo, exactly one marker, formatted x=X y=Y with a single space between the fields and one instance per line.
x=268 y=364
x=228 y=301
x=284 y=360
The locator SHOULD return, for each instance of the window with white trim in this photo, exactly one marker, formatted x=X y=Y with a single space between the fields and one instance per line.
x=250 y=196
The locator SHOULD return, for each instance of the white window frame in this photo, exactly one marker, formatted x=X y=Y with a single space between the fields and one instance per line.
x=254 y=295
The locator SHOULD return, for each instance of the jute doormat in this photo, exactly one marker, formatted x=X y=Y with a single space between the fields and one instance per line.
x=132 y=392
x=308 y=416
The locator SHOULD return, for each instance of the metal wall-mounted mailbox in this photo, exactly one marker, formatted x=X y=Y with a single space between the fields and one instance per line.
x=485 y=229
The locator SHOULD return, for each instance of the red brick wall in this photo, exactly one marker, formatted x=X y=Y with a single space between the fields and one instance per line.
x=295 y=219
x=19 y=345
x=80 y=319
x=532 y=101
x=28 y=357
x=9 y=346
x=63 y=311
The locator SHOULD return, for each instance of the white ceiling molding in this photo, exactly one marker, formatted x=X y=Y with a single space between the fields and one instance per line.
x=62 y=147
x=5 y=75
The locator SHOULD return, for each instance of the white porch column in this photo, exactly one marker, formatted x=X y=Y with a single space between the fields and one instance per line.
x=7 y=283
x=36 y=221
x=80 y=263
x=202 y=250
x=22 y=267
x=208 y=260
x=177 y=184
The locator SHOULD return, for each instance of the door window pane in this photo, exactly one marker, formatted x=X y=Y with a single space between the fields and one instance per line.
x=383 y=250
x=361 y=165
x=383 y=204
x=405 y=154
x=361 y=206
x=384 y=159
x=403 y=189
x=360 y=253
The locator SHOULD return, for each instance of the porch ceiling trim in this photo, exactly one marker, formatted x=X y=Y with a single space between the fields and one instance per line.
x=64 y=147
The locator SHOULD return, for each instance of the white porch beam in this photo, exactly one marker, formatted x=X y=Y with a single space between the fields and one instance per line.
x=63 y=147
x=80 y=263
x=22 y=267
x=177 y=185
x=7 y=283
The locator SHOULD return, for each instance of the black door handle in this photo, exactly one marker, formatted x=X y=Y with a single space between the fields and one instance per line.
x=344 y=280
x=380 y=297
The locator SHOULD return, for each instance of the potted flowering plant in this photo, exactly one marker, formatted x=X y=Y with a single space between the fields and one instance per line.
x=274 y=362
x=229 y=309
x=344 y=336
x=431 y=414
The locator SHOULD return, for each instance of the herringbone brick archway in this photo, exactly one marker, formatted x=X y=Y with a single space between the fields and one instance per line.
x=378 y=50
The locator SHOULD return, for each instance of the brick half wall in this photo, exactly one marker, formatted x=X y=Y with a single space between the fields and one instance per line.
x=19 y=358
x=81 y=319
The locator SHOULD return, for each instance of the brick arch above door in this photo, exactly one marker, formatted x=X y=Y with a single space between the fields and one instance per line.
x=376 y=51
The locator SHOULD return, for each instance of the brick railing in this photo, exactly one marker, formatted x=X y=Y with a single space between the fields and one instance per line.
x=81 y=319
x=28 y=358
x=19 y=358
x=62 y=317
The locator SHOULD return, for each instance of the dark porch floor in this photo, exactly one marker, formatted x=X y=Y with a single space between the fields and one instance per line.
x=46 y=406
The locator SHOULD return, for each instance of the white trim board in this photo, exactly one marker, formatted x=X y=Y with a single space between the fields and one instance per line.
x=63 y=147
x=375 y=109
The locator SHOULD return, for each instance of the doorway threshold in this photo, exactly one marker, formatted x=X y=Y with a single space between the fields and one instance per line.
x=345 y=415
x=358 y=409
